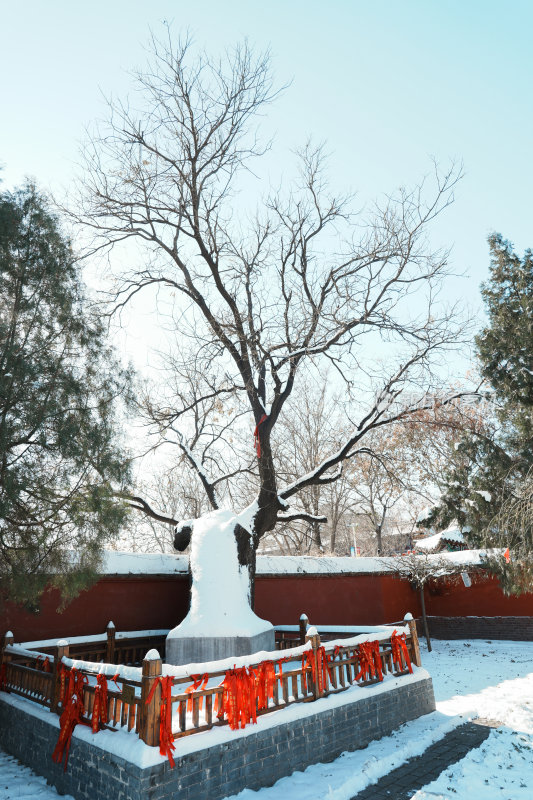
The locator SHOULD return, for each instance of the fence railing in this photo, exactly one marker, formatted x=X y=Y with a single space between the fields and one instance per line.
x=297 y=673
x=138 y=699
x=127 y=647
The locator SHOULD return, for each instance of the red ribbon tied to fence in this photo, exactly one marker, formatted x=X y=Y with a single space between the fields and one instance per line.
x=245 y=691
x=257 y=443
x=239 y=697
x=45 y=662
x=369 y=661
x=62 y=687
x=319 y=669
x=265 y=678
x=99 y=715
x=399 y=649
x=166 y=738
x=199 y=683
x=72 y=701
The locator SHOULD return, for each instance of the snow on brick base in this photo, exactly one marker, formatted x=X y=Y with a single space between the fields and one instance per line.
x=219 y=762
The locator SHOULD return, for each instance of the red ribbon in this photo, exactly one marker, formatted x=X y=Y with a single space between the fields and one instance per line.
x=265 y=679
x=399 y=649
x=319 y=669
x=62 y=688
x=239 y=697
x=99 y=715
x=257 y=443
x=199 y=683
x=72 y=715
x=166 y=737
x=46 y=667
x=369 y=661
x=3 y=678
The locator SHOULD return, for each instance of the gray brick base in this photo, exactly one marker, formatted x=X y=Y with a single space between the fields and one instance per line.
x=513 y=628
x=252 y=761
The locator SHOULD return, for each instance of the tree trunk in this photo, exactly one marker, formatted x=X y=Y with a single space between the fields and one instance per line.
x=379 y=542
x=316 y=539
x=333 y=537
x=247 y=554
x=424 y=617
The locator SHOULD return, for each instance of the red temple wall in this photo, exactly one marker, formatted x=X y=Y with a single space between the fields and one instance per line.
x=141 y=602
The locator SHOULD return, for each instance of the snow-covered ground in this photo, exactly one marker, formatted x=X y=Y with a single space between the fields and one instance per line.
x=20 y=783
x=493 y=680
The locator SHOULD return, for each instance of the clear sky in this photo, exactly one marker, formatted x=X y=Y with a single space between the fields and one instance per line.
x=387 y=84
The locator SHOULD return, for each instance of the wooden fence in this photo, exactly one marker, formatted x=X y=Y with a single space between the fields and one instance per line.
x=134 y=695
x=128 y=647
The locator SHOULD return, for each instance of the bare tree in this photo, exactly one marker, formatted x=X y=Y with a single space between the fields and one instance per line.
x=177 y=494
x=264 y=299
x=397 y=476
x=421 y=568
x=310 y=428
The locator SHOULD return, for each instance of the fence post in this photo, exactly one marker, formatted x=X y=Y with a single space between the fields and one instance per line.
x=313 y=636
x=304 y=623
x=151 y=712
x=61 y=650
x=110 y=649
x=415 y=649
x=8 y=638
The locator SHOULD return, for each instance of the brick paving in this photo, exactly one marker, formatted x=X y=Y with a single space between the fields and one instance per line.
x=403 y=782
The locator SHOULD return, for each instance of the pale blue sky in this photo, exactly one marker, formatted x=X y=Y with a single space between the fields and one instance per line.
x=387 y=84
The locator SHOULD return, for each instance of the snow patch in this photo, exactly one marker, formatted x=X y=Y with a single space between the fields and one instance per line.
x=122 y=563
x=424 y=515
x=95 y=637
x=152 y=655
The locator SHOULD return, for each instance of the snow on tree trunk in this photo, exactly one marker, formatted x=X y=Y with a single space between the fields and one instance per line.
x=221 y=582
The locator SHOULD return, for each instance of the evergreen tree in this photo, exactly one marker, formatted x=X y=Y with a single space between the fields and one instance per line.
x=60 y=456
x=488 y=468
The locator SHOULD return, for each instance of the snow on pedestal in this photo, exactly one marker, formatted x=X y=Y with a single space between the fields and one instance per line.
x=220 y=622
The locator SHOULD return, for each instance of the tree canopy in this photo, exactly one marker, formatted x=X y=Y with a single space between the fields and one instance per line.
x=266 y=296
x=488 y=481
x=61 y=457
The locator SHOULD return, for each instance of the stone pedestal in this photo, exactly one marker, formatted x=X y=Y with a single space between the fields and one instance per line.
x=199 y=649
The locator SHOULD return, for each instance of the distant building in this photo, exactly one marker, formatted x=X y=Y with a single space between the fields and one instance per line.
x=450 y=540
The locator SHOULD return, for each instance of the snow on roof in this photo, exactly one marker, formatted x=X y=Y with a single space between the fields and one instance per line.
x=451 y=534
x=429 y=542
x=424 y=515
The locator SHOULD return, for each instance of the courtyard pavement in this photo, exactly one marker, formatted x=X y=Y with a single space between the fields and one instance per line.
x=402 y=783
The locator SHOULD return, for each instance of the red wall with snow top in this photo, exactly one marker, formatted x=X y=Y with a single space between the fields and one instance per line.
x=141 y=602
x=333 y=599
x=131 y=602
